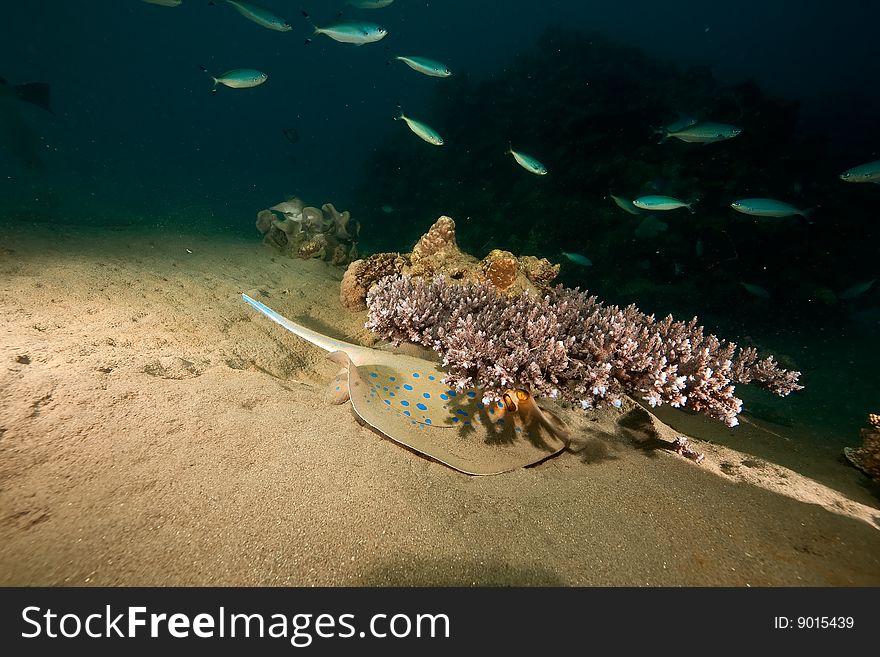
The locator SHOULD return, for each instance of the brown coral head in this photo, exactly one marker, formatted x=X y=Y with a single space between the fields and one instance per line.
x=340 y=255
x=352 y=293
x=361 y=275
x=264 y=221
x=502 y=272
x=311 y=249
x=440 y=236
x=538 y=270
x=874 y=420
x=290 y=227
x=314 y=219
x=341 y=223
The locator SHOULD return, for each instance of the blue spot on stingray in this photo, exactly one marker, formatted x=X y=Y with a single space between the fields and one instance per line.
x=421 y=407
x=407 y=413
x=385 y=389
x=430 y=378
x=403 y=402
x=455 y=419
x=467 y=421
x=397 y=387
x=415 y=375
x=407 y=387
x=451 y=393
x=426 y=395
x=472 y=395
x=518 y=429
x=391 y=378
x=373 y=374
x=387 y=402
x=337 y=388
x=500 y=405
x=461 y=412
x=443 y=397
x=492 y=411
x=427 y=421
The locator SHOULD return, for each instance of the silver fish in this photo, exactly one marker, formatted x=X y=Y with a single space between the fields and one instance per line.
x=681 y=124
x=869 y=172
x=857 y=289
x=424 y=131
x=579 y=259
x=259 y=15
x=238 y=78
x=528 y=163
x=623 y=204
x=369 y=4
x=703 y=133
x=165 y=3
x=757 y=290
x=355 y=32
x=657 y=202
x=767 y=207
x=426 y=66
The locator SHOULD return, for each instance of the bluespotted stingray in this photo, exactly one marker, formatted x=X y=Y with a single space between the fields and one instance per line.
x=405 y=399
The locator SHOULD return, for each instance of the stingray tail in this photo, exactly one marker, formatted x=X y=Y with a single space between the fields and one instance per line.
x=324 y=342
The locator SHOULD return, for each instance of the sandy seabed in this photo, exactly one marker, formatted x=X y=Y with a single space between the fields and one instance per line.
x=155 y=430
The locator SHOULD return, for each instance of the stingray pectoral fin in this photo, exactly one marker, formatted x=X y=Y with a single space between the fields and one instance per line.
x=480 y=443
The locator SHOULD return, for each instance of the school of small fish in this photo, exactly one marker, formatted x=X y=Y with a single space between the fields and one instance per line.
x=688 y=129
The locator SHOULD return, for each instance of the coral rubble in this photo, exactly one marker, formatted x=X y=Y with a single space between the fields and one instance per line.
x=867 y=457
x=308 y=232
x=567 y=344
x=437 y=254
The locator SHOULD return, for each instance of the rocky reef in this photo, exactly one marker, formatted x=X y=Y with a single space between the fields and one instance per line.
x=302 y=231
x=437 y=253
x=867 y=457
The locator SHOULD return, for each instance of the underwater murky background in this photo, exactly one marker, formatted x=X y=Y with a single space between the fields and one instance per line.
x=138 y=139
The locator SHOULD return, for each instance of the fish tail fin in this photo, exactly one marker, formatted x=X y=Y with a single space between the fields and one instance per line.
x=316 y=29
x=664 y=134
x=216 y=81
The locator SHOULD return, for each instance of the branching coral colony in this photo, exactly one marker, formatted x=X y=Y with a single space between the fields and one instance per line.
x=568 y=345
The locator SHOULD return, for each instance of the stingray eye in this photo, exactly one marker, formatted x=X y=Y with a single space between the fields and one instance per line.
x=509 y=403
x=522 y=395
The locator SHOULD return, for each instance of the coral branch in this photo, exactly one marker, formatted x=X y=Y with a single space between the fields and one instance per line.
x=569 y=345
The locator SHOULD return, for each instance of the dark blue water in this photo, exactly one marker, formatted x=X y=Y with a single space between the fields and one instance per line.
x=137 y=126
x=138 y=137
